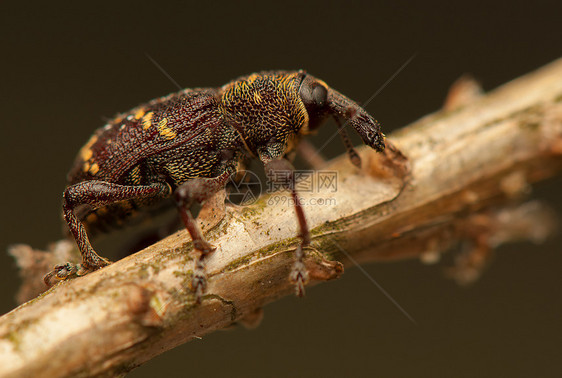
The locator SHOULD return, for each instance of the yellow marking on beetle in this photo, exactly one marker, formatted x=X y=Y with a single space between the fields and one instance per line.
x=257 y=98
x=86 y=167
x=146 y=120
x=87 y=154
x=134 y=175
x=86 y=151
x=252 y=78
x=163 y=122
x=168 y=133
x=164 y=130
x=94 y=168
x=323 y=83
x=140 y=113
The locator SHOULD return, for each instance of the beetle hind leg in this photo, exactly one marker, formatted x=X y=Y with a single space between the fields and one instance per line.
x=95 y=194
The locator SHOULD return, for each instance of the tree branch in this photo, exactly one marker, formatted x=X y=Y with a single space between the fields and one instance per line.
x=463 y=166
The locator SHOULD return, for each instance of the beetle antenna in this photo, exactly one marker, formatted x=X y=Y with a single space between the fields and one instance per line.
x=353 y=155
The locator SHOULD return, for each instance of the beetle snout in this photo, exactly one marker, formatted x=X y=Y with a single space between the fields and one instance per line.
x=351 y=113
x=368 y=128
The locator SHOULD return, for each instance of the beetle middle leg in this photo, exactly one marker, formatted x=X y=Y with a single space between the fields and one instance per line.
x=281 y=172
x=198 y=190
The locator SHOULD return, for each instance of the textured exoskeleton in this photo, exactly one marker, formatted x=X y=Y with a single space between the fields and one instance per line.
x=188 y=144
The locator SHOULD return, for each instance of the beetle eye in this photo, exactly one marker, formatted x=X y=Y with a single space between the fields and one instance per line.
x=319 y=95
x=313 y=94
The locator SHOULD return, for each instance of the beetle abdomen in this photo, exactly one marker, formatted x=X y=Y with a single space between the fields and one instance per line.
x=148 y=130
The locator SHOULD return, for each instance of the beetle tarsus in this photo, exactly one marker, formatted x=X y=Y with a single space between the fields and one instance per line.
x=199 y=282
x=299 y=275
x=203 y=246
x=61 y=272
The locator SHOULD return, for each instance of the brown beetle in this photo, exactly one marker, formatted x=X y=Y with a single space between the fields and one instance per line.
x=188 y=144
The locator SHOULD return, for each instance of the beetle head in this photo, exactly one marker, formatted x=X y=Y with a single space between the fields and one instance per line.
x=272 y=109
x=321 y=102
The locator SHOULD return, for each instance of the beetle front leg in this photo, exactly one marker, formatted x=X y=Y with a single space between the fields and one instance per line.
x=95 y=194
x=198 y=190
x=310 y=154
x=281 y=172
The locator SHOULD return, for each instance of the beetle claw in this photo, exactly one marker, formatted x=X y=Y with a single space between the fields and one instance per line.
x=203 y=246
x=61 y=272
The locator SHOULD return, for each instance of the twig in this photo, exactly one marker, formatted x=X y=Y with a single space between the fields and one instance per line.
x=464 y=164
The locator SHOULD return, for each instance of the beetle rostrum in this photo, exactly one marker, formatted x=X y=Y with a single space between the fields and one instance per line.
x=186 y=145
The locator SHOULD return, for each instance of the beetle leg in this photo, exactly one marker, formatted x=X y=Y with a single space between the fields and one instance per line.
x=281 y=172
x=353 y=155
x=198 y=190
x=60 y=272
x=95 y=194
x=310 y=154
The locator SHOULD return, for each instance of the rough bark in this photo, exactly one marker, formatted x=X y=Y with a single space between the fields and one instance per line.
x=466 y=167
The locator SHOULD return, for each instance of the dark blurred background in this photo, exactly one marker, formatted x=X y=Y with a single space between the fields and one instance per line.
x=67 y=68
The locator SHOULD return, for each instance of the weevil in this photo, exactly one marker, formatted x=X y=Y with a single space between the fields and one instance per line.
x=186 y=146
